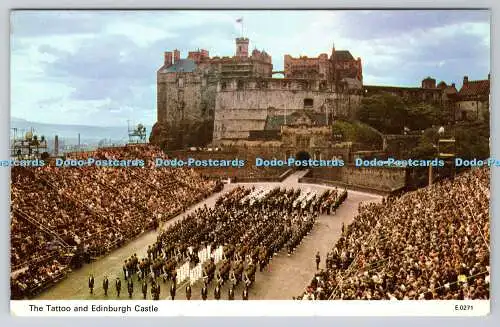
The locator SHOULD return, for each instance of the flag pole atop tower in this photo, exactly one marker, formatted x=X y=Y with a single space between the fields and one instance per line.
x=240 y=21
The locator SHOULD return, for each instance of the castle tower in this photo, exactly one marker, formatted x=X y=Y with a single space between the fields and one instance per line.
x=177 y=56
x=242 y=47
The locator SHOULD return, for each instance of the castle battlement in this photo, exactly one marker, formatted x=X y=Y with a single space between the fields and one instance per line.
x=273 y=84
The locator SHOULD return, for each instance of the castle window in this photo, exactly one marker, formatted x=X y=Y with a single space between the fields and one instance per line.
x=308 y=103
x=240 y=85
x=223 y=85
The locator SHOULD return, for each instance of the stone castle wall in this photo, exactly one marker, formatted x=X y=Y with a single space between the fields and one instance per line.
x=378 y=178
x=242 y=107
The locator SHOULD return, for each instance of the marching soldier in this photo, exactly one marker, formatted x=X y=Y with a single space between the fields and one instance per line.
x=144 y=288
x=118 y=285
x=318 y=260
x=130 y=287
x=157 y=291
x=217 y=292
x=153 y=290
x=218 y=278
x=125 y=269
x=172 y=291
x=188 y=291
x=230 y=295
x=204 y=291
x=105 y=285
x=91 y=284
x=129 y=268
x=244 y=296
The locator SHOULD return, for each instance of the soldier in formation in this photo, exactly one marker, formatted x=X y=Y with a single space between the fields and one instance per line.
x=204 y=291
x=105 y=285
x=118 y=286
x=172 y=290
x=91 y=284
x=144 y=288
x=217 y=291
x=318 y=260
x=130 y=287
x=230 y=295
x=244 y=296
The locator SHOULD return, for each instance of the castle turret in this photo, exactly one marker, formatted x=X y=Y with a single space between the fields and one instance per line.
x=429 y=83
x=242 y=47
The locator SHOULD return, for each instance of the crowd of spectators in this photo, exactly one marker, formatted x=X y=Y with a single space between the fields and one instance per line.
x=92 y=209
x=433 y=243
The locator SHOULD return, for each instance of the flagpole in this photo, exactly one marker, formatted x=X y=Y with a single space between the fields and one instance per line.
x=240 y=21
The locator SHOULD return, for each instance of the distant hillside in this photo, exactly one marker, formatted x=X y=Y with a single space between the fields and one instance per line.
x=69 y=133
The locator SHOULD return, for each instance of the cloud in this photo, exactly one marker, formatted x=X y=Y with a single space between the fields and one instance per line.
x=385 y=24
x=99 y=67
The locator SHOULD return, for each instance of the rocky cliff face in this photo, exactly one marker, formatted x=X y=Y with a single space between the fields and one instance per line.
x=182 y=135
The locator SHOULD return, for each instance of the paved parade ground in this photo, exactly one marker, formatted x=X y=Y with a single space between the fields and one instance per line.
x=285 y=277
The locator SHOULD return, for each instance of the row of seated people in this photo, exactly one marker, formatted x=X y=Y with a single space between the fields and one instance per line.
x=38 y=275
x=28 y=243
x=432 y=243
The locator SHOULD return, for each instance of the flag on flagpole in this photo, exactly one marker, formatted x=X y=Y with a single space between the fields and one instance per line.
x=240 y=21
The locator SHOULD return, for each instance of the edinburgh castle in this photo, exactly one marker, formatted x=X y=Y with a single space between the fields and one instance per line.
x=203 y=100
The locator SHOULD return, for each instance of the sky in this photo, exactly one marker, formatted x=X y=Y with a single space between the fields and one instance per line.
x=99 y=67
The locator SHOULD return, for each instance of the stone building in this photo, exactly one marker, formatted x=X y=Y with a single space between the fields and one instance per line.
x=442 y=94
x=473 y=100
x=186 y=92
x=339 y=66
x=286 y=136
x=243 y=105
x=203 y=99
x=428 y=92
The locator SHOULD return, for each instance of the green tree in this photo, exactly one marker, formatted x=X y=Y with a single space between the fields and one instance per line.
x=423 y=115
x=385 y=112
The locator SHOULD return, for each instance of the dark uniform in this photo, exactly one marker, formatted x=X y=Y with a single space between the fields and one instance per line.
x=91 y=284
x=125 y=269
x=153 y=290
x=105 y=285
x=188 y=292
x=318 y=260
x=244 y=296
x=157 y=291
x=204 y=292
x=172 y=291
x=144 y=288
x=217 y=292
x=130 y=287
x=230 y=295
x=118 y=285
